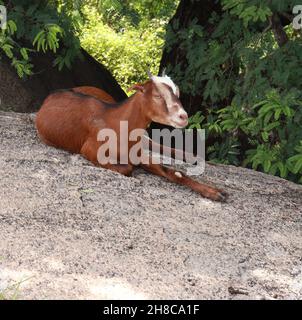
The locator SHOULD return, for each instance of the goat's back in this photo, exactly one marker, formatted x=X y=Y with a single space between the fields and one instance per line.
x=95 y=92
x=64 y=119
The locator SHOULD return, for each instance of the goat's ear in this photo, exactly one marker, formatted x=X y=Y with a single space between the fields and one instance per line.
x=137 y=87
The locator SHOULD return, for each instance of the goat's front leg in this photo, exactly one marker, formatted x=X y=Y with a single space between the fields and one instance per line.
x=180 y=178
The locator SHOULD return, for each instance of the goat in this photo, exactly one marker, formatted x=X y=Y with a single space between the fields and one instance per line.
x=71 y=120
x=164 y=150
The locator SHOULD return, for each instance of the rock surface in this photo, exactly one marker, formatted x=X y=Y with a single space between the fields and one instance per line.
x=69 y=230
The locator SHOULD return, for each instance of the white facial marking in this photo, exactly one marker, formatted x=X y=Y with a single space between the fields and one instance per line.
x=166 y=80
x=177 y=114
x=178 y=174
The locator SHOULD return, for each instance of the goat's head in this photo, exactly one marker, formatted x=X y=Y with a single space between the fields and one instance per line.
x=161 y=99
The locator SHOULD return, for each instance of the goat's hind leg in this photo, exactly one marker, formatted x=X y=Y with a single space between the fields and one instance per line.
x=90 y=149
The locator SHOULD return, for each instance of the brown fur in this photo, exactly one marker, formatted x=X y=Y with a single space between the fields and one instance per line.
x=95 y=92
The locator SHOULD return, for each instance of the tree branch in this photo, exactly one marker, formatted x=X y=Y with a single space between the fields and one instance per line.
x=279 y=33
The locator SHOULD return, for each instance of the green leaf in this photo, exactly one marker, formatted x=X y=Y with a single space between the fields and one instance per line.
x=277 y=114
x=265 y=136
x=12 y=26
x=272 y=126
x=38 y=37
x=24 y=54
x=266 y=165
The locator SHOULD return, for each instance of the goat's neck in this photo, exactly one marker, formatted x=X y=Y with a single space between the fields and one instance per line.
x=135 y=113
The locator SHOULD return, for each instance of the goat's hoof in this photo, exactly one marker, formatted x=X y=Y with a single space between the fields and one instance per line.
x=222 y=196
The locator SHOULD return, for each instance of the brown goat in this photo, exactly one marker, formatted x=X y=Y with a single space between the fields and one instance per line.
x=72 y=119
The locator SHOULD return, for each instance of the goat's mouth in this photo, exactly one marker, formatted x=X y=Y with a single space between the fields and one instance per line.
x=179 y=124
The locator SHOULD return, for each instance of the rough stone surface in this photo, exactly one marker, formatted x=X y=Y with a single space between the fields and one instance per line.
x=69 y=230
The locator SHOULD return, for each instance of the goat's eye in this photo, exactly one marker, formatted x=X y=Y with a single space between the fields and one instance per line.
x=157 y=97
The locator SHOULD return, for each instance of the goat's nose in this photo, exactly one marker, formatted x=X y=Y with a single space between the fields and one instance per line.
x=183 y=116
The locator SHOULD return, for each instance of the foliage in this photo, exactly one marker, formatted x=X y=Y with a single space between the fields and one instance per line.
x=119 y=14
x=128 y=54
x=39 y=27
x=250 y=85
x=126 y=36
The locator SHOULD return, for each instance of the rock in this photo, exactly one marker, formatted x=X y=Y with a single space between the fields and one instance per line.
x=46 y=78
x=70 y=230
